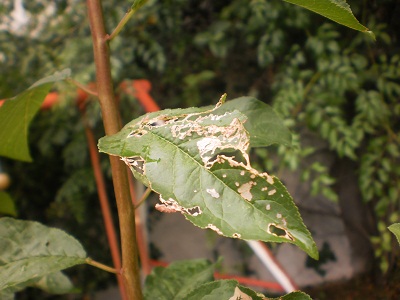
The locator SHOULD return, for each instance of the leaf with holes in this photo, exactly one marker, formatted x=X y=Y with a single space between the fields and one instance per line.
x=17 y=113
x=30 y=250
x=336 y=10
x=198 y=162
x=263 y=124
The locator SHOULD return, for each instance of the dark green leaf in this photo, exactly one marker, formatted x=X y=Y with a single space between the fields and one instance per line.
x=7 y=206
x=199 y=165
x=178 y=279
x=30 y=250
x=336 y=10
x=17 y=113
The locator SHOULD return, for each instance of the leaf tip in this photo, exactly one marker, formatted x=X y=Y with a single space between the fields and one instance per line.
x=371 y=34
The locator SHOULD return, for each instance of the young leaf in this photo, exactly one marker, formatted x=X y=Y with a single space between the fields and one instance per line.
x=199 y=165
x=178 y=279
x=30 y=250
x=17 y=113
x=7 y=206
x=336 y=10
x=395 y=229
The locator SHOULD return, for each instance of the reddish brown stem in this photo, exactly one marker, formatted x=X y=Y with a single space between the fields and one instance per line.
x=141 y=232
x=105 y=207
x=112 y=124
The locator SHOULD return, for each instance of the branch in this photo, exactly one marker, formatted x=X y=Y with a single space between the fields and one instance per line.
x=136 y=5
x=112 y=124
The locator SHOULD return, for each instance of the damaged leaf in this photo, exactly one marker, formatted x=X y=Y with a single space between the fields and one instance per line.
x=263 y=124
x=197 y=160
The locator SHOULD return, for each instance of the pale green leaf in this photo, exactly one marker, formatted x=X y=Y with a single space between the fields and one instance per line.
x=30 y=250
x=7 y=206
x=17 y=113
x=395 y=229
x=336 y=10
x=55 y=283
x=178 y=279
x=6 y=295
x=199 y=165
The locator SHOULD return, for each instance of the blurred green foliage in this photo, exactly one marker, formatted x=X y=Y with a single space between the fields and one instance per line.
x=325 y=79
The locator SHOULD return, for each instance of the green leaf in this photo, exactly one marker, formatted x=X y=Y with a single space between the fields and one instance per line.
x=336 y=10
x=395 y=229
x=199 y=165
x=224 y=289
x=295 y=296
x=55 y=283
x=17 y=113
x=30 y=250
x=178 y=279
x=263 y=124
x=6 y=295
x=7 y=206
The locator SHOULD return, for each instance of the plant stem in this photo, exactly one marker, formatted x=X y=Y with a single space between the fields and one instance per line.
x=112 y=124
x=143 y=198
x=83 y=87
x=104 y=267
x=137 y=4
x=121 y=24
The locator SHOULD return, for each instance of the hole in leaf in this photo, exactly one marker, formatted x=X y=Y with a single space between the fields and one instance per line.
x=137 y=133
x=277 y=231
x=136 y=163
x=229 y=153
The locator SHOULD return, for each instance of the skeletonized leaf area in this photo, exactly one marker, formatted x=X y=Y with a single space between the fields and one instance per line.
x=197 y=161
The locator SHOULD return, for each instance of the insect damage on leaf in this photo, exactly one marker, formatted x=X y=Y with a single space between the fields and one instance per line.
x=197 y=161
x=171 y=206
x=135 y=163
x=222 y=142
x=239 y=295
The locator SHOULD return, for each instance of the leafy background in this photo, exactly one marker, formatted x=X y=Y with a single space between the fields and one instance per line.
x=325 y=81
